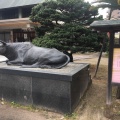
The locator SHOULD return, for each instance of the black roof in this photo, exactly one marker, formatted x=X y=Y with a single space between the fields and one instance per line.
x=16 y=3
x=106 y=25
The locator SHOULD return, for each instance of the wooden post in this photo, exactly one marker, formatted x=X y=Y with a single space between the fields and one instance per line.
x=110 y=63
x=109 y=109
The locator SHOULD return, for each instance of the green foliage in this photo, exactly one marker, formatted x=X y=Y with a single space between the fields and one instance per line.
x=62 y=10
x=52 y=13
x=71 y=37
x=62 y=25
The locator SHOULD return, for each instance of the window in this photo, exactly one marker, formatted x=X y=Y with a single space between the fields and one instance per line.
x=26 y=11
x=9 y=13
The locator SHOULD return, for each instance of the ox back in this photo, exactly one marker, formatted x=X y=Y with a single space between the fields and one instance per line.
x=27 y=55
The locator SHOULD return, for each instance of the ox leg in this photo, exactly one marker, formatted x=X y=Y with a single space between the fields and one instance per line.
x=36 y=65
x=45 y=66
x=15 y=62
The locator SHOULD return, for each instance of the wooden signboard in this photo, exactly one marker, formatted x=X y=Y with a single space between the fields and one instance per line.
x=118 y=2
x=116 y=66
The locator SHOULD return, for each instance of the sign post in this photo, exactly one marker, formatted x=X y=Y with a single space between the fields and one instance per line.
x=110 y=63
x=111 y=26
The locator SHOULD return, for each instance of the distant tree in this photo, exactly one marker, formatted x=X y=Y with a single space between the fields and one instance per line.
x=64 y=25
x=111 y=4
x=53 y=13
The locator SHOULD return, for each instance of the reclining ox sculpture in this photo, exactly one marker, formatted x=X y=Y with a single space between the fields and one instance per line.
x=29 y=56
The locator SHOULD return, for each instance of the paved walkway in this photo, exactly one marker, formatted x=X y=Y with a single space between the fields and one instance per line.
x=10 y=113
x=90 y=58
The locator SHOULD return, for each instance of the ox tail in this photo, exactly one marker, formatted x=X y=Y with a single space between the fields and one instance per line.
x=62 y=65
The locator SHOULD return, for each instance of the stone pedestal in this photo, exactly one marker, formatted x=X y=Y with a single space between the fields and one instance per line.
x=59 y=90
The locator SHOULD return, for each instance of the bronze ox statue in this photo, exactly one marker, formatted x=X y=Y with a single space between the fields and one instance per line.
x=29 y=56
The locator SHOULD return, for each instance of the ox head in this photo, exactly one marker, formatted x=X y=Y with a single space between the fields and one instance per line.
x=2 y=47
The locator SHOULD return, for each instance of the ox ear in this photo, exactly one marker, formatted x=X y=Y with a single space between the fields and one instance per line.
x=4 y=43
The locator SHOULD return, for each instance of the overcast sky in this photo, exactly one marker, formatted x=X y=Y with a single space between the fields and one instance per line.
x=101 y=11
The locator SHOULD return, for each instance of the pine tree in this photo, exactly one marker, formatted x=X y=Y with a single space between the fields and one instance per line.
x=64 y=25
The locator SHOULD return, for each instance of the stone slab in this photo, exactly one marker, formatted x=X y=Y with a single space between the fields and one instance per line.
x=59 y=90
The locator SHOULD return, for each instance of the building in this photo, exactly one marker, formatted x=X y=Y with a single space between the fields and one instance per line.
x=15 y=25
x=115 y=15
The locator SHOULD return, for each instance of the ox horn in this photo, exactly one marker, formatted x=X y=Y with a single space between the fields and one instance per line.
x=4 y=43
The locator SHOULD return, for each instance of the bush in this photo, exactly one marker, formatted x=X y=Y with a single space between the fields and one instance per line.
x=71 y=37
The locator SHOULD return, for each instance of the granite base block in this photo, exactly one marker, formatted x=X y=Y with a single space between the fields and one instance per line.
x=59 y=90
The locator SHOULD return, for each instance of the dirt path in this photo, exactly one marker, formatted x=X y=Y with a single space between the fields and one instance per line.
x=91 y=107
x=91 y=58
x=95 y=99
